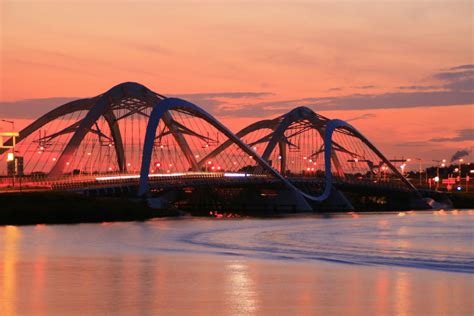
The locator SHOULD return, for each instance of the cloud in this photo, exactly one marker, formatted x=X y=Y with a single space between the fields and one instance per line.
x=34 y=108
x=365 y=87
x=420 y=88
x=463 y=135
x=453 y=75
x=465 y=84
x=362 y=117
x=31 y=108
x=392 y=100
x=457 y=89
x=462 y=67
x=227 y=95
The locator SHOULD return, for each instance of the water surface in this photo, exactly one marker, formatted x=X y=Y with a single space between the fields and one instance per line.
x=394 y=264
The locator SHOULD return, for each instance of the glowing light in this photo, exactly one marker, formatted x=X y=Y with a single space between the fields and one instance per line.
x=67 y=163
x=436 y=179
x=158 y=164
x=129 y=164
x=461 y=160
x=456 y=169
x=409 y=159
x=304 y=158
x=213 y=168
x=10 y=157
x=88 y=154
x=54 y=159
x=219 y=168
x=129 y=177
x=443 y=165
x=197 y=156
x=251 y=157
x=236 y=175
x=254 y=147
x=110 y=168
x=279 y=157
x=209 y=162
x=235 y=162
x=171 y=165
x=459 y=188
x=356 y=160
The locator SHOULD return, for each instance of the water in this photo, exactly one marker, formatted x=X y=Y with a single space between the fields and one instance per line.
x=402 y=263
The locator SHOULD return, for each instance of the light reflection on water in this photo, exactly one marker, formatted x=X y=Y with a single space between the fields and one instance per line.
x=202 y=266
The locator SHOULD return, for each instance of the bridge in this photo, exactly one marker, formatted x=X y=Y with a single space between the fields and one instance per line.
x=133 y=142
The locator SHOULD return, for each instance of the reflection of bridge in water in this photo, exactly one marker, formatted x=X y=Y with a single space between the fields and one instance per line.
x=131 y=141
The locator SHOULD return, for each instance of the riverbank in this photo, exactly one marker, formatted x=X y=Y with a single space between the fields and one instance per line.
x=462 y=199
x=51 y=207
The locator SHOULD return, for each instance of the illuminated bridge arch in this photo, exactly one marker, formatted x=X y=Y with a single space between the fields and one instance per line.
x=88 y=124
x=159 y=113
x=304 y=143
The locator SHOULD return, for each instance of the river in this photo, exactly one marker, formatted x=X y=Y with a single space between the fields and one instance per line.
x=411 y=263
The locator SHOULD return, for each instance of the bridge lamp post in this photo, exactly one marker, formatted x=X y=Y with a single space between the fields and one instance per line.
x=13 y=146
x=442 y=164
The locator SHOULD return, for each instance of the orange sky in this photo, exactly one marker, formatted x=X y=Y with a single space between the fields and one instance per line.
x=398 y=58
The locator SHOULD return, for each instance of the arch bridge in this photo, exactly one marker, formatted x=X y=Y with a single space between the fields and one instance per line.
x=133 y=141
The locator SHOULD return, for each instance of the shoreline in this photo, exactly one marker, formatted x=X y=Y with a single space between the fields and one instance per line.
x=52 y=207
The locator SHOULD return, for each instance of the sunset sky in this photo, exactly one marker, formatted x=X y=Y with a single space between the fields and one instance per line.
x=402 y=72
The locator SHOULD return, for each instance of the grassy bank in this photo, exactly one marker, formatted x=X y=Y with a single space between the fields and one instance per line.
x=62 y=207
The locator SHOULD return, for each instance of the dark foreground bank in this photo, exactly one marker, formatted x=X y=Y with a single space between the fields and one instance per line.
x=62 y=207
x=51 y=207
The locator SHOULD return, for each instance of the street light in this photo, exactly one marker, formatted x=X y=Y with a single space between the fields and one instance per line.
x=437 y=171
x=13 y=149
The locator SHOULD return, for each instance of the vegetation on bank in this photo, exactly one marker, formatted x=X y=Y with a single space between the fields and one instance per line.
x=62 y=207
